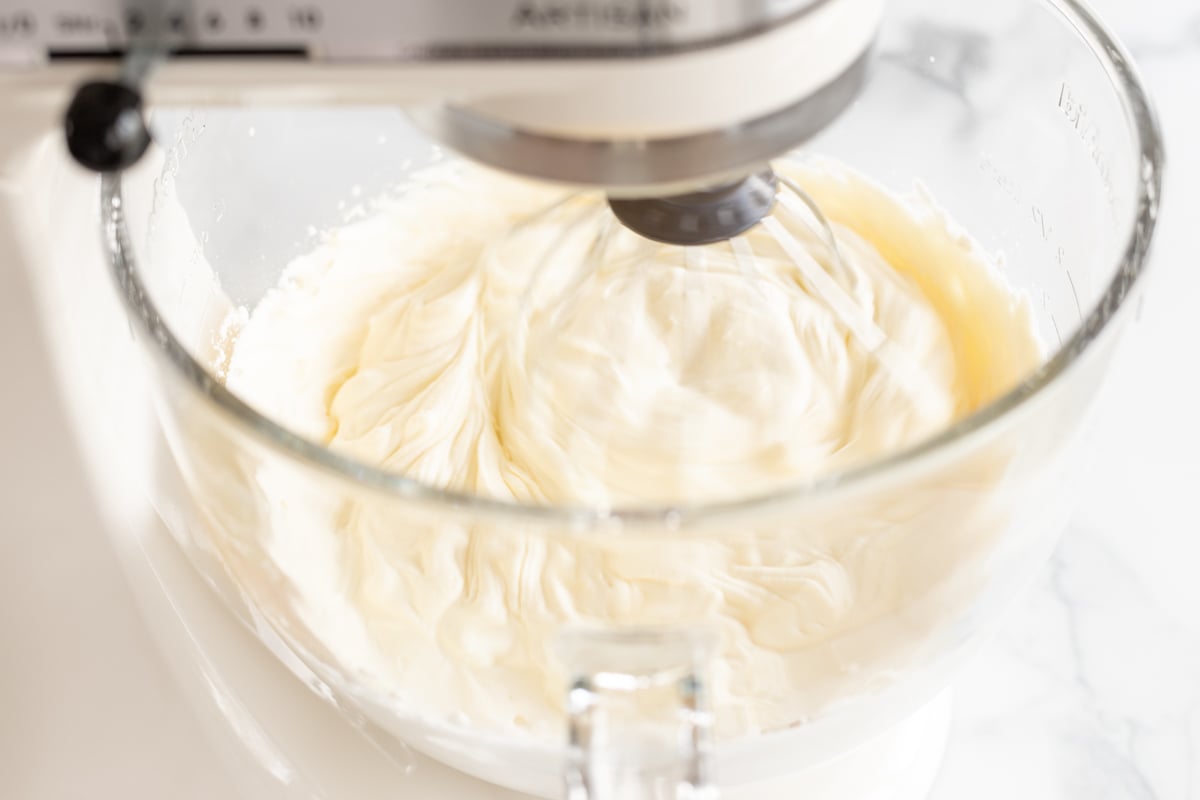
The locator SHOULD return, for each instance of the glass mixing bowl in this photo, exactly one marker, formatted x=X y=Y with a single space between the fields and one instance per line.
x=1022 y=118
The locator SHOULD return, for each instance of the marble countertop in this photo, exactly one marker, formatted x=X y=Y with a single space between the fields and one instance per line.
x=1091 y=690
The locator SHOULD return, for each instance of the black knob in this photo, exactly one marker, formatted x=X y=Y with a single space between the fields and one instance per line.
x=105 y=127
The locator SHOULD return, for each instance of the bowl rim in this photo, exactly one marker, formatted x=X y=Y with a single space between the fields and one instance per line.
x=1144 y=128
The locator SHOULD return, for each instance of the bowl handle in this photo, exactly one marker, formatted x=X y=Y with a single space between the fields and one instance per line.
x=639 y=725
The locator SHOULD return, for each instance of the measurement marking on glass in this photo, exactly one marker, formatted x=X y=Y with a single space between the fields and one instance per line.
x=1012 y=190
x=1075 y=294
x=1088 y=130
x=1039 y=217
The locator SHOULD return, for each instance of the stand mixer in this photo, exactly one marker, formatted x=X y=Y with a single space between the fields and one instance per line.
x=547 y=91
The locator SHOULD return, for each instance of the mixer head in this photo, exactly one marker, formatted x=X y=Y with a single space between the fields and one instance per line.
x=642 y=99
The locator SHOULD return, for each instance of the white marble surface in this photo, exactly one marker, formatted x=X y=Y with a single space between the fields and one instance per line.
x=1092 y=690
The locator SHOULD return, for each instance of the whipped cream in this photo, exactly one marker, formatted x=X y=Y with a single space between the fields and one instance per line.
x=570 y=362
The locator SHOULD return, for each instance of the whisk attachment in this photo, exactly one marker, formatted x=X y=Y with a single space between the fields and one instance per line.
x=653 y=345
x=703 y=345
x=702 y=217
